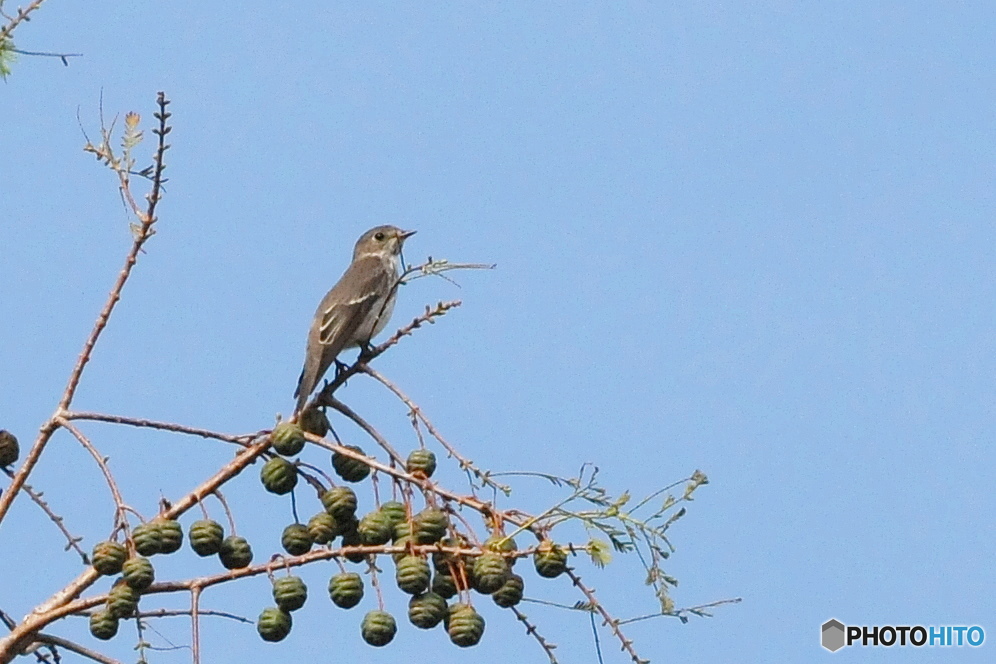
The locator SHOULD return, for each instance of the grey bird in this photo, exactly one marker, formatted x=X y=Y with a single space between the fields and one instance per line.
x=357 y=308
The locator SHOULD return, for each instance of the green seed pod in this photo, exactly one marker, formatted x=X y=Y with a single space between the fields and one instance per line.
x=401 y=542
x=443 y=585
x=352 y=538
x=402 y=529
x=314 y=421
x=501 y=544
x=394 y=511
x=290 y=593
x=138 y=573
x=296 y=538
x=9 y=451
x=322 y=528
x=510 y=593
x=348 y=468
x=421 y=461
x=441 y=560
x=346 y=589
x=375 y=528
x=170 y=535
x=205 y=537
x=288 y=438
x=235 y=552
x=122 y=601
x=412 y=574
x=273 y=624
x=490 y=573
x=340 y=502
x=147 y=538
x=426 y=610
x=378 y=628
x=455 y=609
x=103 y=625
x=108 y=557
x=278 y=476
x=466 y=626
x=550 y=560
x=430 y=525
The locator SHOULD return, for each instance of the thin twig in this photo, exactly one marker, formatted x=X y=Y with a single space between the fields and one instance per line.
x=465 y=464
x=242 y=440
x=195 y=624
x=22 y=15
x=531 y=630
x=119 y=504
x=607 y=619
x=72 y=541
x=51 y=639
x=323 y=396
x=143 y=233
x=699 y=610
x=371 y=431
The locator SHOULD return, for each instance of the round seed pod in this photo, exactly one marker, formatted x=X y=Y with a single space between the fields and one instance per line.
x=322 y=528
x=288 y=438
x=403 y=541
x=122 y=601
x=501 y=544
x=394 y=511
x=103 y=625
x=9 y=451
x=235 y=552
x=490 y=573
x=108 y=557
x=346 y=589
x=138 y=572
x=296 y=539
x=441 y=560
x=278 y=476
x=314 y=421
x=550 y=560
x=412 y=574
x=443 y=585
x=430 y=525
x=378 y=628
x=205 y=537
x=147 y=538
x=348 y=468
x=170 y=535
x=454 y=609
x=352 y=538
x=402 y=529
x=466 y=626
x=340 y=502
x=425 y=611
x=510 y=593
x=375 y=528
x=273 y=624
x=289 y=593
x=421 y=461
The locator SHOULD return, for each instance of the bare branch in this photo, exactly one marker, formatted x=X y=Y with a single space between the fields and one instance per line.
x=72 y=541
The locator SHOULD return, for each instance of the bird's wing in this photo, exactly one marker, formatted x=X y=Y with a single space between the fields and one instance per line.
x=349 y=304
x=340 y=314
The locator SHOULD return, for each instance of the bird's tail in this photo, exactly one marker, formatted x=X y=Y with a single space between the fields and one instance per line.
x=303 y=390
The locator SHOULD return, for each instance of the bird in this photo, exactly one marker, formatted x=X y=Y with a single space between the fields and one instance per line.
x=357 y=308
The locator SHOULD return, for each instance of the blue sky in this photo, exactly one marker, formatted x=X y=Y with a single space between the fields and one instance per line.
x=753 y=240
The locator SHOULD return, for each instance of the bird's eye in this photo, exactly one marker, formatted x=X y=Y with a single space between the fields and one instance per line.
x=379 y=237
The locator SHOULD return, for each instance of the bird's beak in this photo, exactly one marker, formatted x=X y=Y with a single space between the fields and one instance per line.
x=404 y=235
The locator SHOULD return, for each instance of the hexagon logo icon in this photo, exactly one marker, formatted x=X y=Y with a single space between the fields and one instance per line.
x=832 y=635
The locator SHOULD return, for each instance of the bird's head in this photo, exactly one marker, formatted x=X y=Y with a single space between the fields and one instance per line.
x=381 y=241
